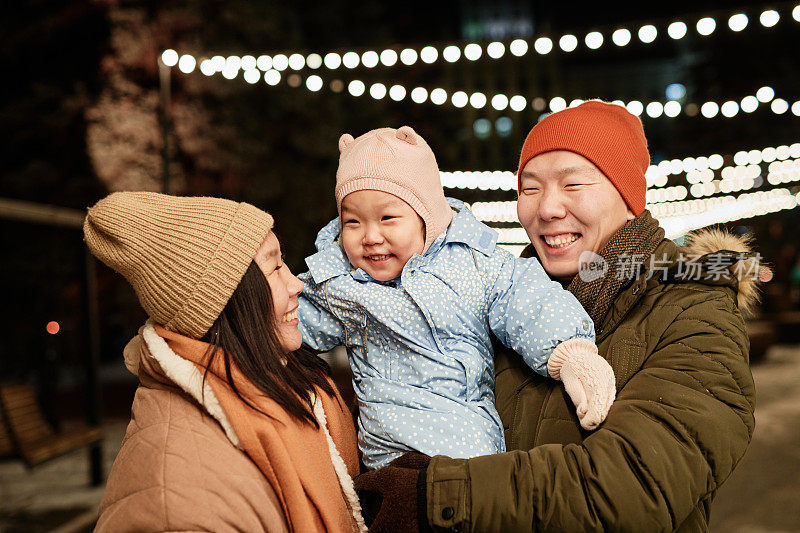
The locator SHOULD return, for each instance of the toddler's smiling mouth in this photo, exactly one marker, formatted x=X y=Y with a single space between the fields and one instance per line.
x=379 y=258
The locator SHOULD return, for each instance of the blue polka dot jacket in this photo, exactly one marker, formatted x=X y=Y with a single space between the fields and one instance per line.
x=420 y=345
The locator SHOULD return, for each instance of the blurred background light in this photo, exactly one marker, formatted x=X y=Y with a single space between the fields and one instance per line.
x=482 y=128
x=428 y=54
x=356 y=87
x=477 y=100
x=473 y=51
x=370 y=59
x=675 y=91
x=621 y=37
x=187 y=63
x=769 y=18
x=503 y=126
x=543 y=45
x=738 y=22
x=169 y=57
x=519 y=47
x=408 y=56
x=314 y=61
x=677 y=30
x=765 y=94
x=495 y=50
x=568 y=42
x=594 y=40
x=648 y=33
x=706 y=26
x=388 y=57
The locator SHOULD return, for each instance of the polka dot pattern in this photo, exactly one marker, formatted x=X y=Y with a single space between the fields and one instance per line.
x=420 y=345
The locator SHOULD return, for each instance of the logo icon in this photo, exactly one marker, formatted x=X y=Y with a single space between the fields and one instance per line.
x=591 y=266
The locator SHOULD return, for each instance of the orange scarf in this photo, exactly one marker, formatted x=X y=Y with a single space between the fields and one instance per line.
x=293 y=455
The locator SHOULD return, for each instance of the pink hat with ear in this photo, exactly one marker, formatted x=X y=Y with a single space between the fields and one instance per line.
x=399 y=162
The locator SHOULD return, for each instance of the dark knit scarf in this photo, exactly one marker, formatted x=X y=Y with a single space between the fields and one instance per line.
x=639 y=236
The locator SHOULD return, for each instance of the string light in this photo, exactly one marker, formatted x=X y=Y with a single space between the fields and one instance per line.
x=594 y=40
x=370 y=59
x=272 y=77
x=738 y=22
x=769 y=18
x=519 y=47
x=473 y=51
x=314 y=61
x=495 y=50
x=765 y=94
x=706 y=26
x=452 y=53
x=518 y=103
x=648 y=33
x=779 y=106
x=263 y=62
x=408 y=56
x=621 y=37
x=377 y=91
x=677 y=30
x=314 y=83
x=543 y=45
x=280 y=62
x=698 y=170
x=568 y=42
x=169 y=57
x=187 y=63
x=351 y=60
x=356 y=87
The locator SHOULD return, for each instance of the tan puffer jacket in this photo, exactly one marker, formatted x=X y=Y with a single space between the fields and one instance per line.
x=177 y=470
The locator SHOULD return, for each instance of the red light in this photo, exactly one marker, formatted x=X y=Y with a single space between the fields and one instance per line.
x=53 y=327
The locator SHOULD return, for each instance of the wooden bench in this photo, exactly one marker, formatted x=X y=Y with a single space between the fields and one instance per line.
x=32 y=437
x=6 y=444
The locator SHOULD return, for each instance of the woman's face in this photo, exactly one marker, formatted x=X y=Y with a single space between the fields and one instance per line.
x=284 y=287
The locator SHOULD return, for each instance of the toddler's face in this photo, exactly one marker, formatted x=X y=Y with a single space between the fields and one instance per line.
x=380 y=233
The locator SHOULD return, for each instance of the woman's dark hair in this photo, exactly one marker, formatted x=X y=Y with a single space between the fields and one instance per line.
x=247 y=333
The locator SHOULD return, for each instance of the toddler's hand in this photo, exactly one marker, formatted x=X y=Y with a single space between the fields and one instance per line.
x=587 y=378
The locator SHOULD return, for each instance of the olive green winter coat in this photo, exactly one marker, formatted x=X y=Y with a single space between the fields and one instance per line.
x=682 y=419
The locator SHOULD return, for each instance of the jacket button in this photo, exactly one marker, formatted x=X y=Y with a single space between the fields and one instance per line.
x=448 y=513
x=585 y=324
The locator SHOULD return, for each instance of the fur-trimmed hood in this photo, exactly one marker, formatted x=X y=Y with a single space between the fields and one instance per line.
x=183 y=373
x=743 y=263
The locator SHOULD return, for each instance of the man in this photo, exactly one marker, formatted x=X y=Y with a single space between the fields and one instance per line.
x=667 y=319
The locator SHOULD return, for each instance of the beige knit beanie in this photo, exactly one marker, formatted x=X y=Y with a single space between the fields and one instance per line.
x=184 y=256
x=400 y=162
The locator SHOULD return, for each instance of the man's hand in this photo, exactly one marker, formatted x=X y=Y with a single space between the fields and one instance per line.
x=393 y=498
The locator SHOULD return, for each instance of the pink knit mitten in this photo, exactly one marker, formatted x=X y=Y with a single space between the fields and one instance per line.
x=587 y=377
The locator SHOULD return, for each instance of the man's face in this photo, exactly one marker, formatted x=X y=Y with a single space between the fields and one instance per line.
x=567 y=206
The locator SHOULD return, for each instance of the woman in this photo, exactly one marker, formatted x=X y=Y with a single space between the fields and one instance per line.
x=232 y=428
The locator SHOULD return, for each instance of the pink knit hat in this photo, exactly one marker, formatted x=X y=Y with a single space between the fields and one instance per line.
x=398 y=162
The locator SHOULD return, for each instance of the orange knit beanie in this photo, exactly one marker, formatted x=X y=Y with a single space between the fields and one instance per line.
x=605 y=134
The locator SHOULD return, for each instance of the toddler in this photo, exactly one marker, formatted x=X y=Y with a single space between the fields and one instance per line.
x=413 y=285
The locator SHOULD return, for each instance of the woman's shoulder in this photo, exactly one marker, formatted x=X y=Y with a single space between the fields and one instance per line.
x=177 y=469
